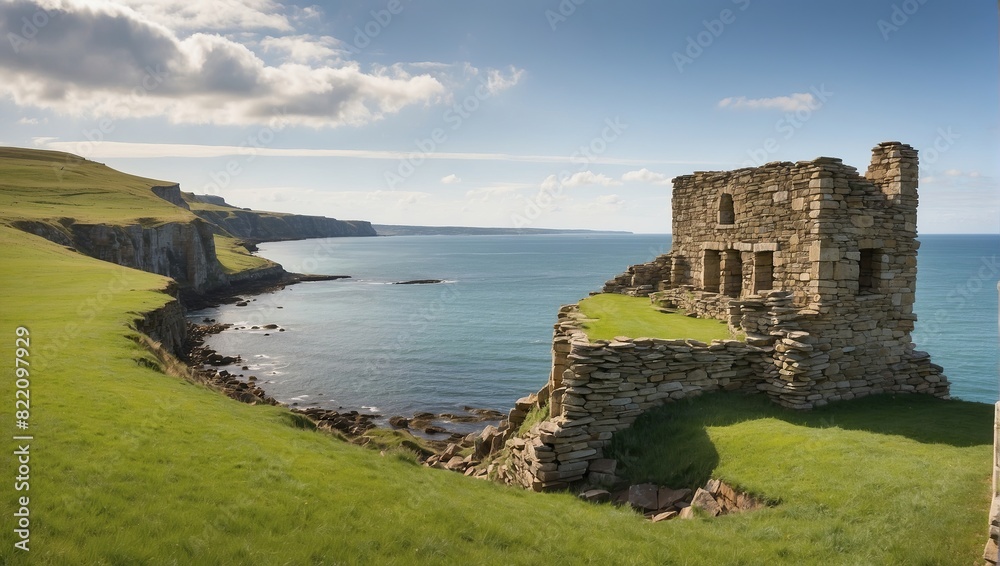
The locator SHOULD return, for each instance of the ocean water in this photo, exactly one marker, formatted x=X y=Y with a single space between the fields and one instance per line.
x=482 y=338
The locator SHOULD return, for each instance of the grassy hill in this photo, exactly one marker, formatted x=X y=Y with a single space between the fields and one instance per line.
x=50 y=185
x=133 y=466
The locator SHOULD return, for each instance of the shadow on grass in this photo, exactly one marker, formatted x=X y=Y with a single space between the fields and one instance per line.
x=671 y=444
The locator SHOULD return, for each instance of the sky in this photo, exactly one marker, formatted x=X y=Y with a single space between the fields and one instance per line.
x=540 y=113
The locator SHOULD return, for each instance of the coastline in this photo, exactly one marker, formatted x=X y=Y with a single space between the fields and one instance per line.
x=426 y=433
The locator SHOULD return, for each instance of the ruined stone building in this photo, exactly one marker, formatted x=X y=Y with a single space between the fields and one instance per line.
x=838 y=248
x=815 y=264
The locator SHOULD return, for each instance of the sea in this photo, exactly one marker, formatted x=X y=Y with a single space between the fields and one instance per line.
x=481 y=338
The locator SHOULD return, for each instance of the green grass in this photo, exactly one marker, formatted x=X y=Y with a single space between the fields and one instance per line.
x=856 y=479
x=49 y=185
x=131 y=466
x=235 y=258
x=535 y=416
x=614 y=315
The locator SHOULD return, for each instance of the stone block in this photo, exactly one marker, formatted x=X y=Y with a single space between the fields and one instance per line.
x=643 y=496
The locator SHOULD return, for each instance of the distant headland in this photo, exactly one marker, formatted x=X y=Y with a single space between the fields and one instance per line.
x=396 y=230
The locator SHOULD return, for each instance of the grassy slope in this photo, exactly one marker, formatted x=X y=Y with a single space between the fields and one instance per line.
x=872 y=481
x=618 y=315
x=235 y=258
x=48 y=185
x=131 y=466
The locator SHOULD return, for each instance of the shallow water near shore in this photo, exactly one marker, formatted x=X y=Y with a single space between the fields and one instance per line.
x=482 y=337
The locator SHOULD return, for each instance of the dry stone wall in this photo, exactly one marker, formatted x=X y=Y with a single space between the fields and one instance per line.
x=599 y=388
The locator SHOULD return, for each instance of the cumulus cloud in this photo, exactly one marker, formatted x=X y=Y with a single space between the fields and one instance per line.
x=451 y=179
x=796 y=101
x=215 y=14
x=646 y=176
x=580 y=179
x=303 y=48
x=588 y=178
x=109 y=60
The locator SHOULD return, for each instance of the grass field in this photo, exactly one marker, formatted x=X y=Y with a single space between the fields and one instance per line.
x=49 y=185
x=614 y=315
x=130 y=466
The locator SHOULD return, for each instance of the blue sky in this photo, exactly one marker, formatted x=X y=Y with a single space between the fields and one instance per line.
x=548 y=114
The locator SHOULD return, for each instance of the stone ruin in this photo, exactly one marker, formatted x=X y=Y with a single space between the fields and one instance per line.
x=815 y=264
x=809 y=257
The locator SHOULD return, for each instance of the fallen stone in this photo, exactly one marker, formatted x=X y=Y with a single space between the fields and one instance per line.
x=643 y=496
x=704 y=500
x=596 y=496
x=665 y=516
x=667 y=497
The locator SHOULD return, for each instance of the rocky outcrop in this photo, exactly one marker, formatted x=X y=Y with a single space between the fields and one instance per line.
x=171 y=194
x=253 y=226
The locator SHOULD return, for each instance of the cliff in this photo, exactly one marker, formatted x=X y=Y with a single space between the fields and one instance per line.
x=147 y=224
x=184 y=251
x=255 y=226
x=165 y=325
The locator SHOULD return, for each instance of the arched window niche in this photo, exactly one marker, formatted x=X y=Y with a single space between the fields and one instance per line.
x=727 y=215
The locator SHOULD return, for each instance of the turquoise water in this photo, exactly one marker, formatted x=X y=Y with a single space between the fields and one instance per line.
x=482 y=338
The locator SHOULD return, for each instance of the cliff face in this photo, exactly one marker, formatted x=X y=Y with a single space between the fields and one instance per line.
x=184 y=251
x=255 y=226
x=171 y=194
x=166 y=325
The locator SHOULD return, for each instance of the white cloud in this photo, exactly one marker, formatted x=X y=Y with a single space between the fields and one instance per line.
x=127 y=150
x=303 y=48
x=497 y=82
x=451 y=179
x=108 y=60
x=32 y=121
x=584 y=178
x=214 y=14
x=796 y=101
x=646 y=176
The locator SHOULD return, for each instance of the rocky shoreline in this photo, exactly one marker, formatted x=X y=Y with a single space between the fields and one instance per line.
x=429 y=432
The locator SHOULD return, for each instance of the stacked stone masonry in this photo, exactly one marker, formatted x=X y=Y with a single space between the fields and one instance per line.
x=812 y=262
